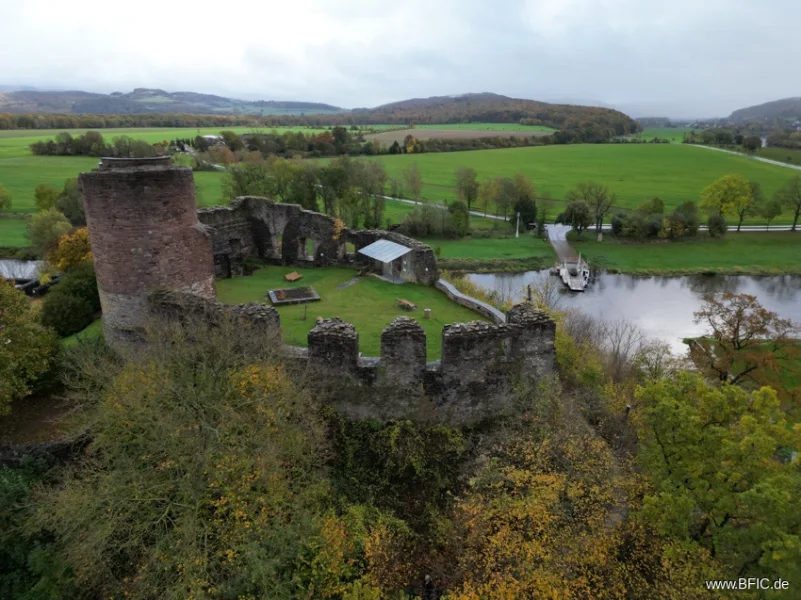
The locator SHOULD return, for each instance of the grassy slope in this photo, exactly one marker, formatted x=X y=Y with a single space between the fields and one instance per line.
x=755 y=253
x=95 y=329
x=635 y=172
x=369 y=304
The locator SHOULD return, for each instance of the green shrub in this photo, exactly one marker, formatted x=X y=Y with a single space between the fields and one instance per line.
x=66 y=313
x=717 y=226
x=80 y=281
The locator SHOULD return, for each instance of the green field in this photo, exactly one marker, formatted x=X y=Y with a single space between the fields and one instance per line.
x=751 y=253
x=369 y=304
x=635 y=172
x=12 y=232
x=487 y=127
x=674 y=134
x=21 y=175
x=789 y=156
x=494 y=248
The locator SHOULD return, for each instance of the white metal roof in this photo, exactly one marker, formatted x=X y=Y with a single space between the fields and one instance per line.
x=384 y=251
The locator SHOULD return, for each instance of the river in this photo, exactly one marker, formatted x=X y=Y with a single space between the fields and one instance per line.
x=662 y=307
x=19 y=269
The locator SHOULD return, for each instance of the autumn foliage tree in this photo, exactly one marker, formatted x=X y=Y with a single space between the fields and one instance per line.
x=743 y=340
x=712 y=455
x=596 y=196
x=71 y=249
x=728 y=195
x=26 y=348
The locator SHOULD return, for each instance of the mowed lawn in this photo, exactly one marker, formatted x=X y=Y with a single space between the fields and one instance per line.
x=752 y=253
x=369 y=304
x=634 y=172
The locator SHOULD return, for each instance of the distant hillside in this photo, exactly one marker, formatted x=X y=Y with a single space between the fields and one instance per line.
x=494 y=108
x=788 y=109
x=149 y=101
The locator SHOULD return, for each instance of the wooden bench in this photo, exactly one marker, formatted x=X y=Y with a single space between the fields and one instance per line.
x=405 y=304
x=293 y=276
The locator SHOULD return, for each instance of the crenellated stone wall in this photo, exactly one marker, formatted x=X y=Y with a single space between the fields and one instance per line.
x=474 y=380
x=252 y=226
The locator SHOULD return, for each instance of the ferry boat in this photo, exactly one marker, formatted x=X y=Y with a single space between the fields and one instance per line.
x=575 y=274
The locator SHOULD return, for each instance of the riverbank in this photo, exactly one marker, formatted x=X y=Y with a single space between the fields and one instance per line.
x=753 y=253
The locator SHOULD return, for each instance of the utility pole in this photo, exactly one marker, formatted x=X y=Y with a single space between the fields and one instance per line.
x=517 y=229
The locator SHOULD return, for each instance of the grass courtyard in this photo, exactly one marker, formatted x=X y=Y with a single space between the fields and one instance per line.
x=369 y=304
x=754 y=253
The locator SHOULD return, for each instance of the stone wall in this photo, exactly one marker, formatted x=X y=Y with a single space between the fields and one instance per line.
x=474 y=379
x=472 y=303
x=256 y=224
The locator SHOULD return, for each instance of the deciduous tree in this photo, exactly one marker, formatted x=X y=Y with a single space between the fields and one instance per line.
x=578 y=215
x=70 y=203
x=45 y=196
x=790 y=197
x=711 y=455
x=742 y=340
x=467 y=185
x=413 y=180
x=71 y=249
x=596 y=196
x=769 y=210
x=726 y=195
x=45 y=228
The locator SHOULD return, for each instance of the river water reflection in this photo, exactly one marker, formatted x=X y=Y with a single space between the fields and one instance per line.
x=661 y=306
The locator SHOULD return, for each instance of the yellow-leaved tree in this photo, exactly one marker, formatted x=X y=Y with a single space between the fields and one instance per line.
x=72 y=249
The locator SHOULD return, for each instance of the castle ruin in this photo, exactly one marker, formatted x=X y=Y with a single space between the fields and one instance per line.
x=156 y=255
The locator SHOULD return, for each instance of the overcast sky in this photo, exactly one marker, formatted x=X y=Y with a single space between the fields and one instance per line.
x=680 y=58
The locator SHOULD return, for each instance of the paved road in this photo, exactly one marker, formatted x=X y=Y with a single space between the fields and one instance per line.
x=557 y=234
x=759 y=158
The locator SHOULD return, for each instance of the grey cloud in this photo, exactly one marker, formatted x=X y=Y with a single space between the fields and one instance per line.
x=679 y=58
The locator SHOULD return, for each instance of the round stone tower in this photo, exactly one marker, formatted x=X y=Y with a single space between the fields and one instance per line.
x=145 y=235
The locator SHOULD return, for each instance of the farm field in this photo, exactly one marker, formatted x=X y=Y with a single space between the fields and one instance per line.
x=398 y=135
x=746 y=253
x=487 y=127
x=12 y=232
x=369 y=304
x=674 y=134
x=634 y=172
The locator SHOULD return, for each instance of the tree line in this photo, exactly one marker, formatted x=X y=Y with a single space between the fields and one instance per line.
x=730 y=197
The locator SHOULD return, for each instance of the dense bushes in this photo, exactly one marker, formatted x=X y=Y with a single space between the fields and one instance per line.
x=717 y=226
x=26 y=348
x=649 y=221
x=432 y=221
x=71 y=305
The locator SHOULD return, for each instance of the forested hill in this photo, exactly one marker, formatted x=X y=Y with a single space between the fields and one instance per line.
x=149 y=101
x=494 y=108
x=787 y=109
